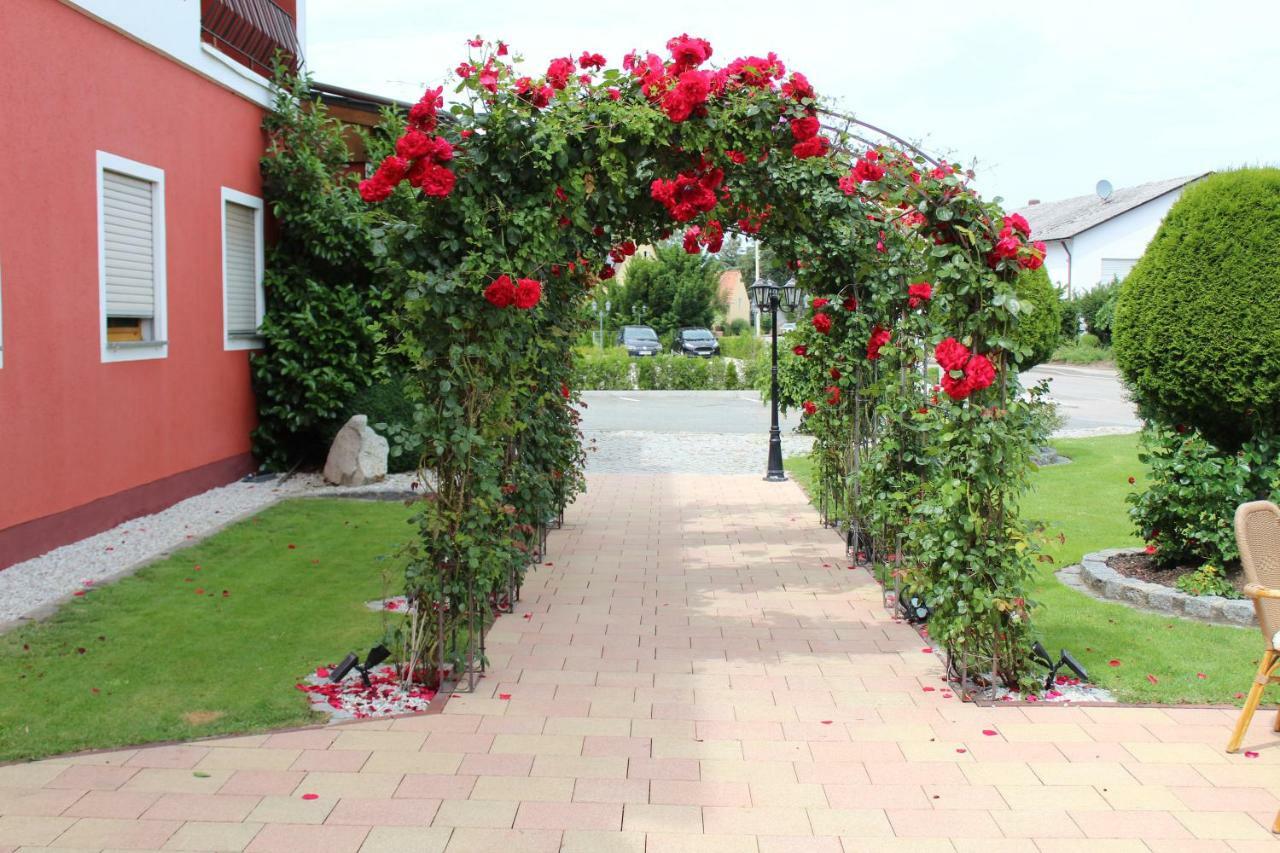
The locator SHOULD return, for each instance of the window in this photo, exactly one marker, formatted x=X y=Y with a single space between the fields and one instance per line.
x=242 y=302
x=1116 y=268
x=131 y=259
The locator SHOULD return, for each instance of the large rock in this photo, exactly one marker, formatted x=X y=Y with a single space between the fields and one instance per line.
x=358 y=455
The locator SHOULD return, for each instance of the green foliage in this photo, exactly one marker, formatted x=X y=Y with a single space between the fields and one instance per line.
x=393 y=406
x=1082 y=353
x=1186 y=511
x=326 y=293
x=738 y=328
x=602 y=370
x=1207 y=580
x=1039 y=328
x=669 y=291
x=1196 y=324
x=1097 y=308
x=1089 y=341
x=743 y=346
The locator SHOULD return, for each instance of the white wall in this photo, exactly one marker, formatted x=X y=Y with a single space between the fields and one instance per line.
x=1125 y=236
x=172 y=27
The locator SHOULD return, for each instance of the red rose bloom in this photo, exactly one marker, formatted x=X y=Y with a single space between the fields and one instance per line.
x=850 y=303
x=690 y=92
x=797 y=87
x=919 y=293
x=1018 y=223
x=868 y=168
x=688 y=52
x=817 y=146
x=375 y=189
x=564 y=390
x=821 y=301
x=614 y=94
x=413 y=144
x=822 y=323
x=422 y=115
x=501 y=293
x=977 y=373
x=591 y=60
x=833 y=395
x=835 y=373
x=809 y=407
x=527 y=293
x=606 y=272
x=442 y=152
x=736 y=156
x=879 y=337
x=951 y=354
x=433 y=179
x=804 y=128
x=800 y=350
x=559 y=72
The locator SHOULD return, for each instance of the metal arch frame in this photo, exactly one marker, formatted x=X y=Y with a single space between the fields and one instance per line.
x=850 y=122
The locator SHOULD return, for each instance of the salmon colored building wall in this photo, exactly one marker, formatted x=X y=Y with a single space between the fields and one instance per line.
x=86 y=444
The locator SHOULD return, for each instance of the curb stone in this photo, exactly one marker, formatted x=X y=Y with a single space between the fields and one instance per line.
x=1094 y=577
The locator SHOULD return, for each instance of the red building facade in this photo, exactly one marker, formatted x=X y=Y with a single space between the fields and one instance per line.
x=131 y=245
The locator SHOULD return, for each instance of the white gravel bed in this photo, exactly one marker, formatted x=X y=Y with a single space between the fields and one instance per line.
x=30 y=589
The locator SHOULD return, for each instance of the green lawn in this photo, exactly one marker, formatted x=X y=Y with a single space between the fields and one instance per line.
x=1083 y=509
x=148 y=659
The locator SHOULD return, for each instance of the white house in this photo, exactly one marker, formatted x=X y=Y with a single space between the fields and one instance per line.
x=1091 y=239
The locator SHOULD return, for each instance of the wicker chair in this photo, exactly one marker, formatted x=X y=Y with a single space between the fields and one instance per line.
x=1258 y=535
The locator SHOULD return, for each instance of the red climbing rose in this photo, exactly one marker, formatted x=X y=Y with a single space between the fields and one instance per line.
x=527 y=293
x=879 y=337
x=810 y=407
x=822 y=323
x=501 y=293
x=919 y=293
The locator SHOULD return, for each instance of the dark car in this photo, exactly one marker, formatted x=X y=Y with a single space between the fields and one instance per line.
x=696 y=342
x=639 y=340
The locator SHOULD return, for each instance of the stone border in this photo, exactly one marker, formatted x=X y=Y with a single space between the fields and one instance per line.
x=1094 y=577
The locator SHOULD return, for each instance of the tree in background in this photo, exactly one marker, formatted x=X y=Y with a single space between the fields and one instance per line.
x=669 y=291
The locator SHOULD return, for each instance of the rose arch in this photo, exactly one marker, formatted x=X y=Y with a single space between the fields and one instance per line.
x=503 y=213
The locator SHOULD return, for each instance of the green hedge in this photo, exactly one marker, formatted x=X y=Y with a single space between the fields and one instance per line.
x=1197 y=330
x=614 y=370
x=741 y=346
x=1040 y=330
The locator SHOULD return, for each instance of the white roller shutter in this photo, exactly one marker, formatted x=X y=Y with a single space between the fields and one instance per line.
x=240 y=268
x=1116 y=268
x=128 y=237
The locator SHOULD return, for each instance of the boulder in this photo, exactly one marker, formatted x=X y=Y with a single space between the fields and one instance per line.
x=358 y=455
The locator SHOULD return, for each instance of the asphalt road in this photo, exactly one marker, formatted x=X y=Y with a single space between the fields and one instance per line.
x=1089 y=399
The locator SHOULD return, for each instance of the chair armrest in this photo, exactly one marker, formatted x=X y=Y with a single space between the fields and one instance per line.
x=1254 y=590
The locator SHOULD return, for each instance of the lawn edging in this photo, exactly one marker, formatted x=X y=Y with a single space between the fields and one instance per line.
x=1094 y=577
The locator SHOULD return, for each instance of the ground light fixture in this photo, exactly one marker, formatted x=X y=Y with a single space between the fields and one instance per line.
x=376 y=655
x=768 y=295
x=1041 y=654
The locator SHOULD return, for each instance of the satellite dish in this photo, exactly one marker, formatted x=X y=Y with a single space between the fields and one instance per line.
x=1103 y=189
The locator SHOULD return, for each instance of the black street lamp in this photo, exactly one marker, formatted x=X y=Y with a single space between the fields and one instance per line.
x=769 y=296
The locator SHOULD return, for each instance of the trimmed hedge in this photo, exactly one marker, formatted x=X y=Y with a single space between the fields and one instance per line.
x=614 y=370
x=1041 y=330
x=1197 y=330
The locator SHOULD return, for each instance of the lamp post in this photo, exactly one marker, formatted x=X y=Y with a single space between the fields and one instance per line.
x=769 y=296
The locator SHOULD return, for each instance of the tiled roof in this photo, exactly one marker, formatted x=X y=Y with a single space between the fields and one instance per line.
x=1058 y=220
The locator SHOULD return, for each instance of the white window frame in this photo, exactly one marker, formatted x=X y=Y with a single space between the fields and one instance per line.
x=236 y=197
x=158 y=346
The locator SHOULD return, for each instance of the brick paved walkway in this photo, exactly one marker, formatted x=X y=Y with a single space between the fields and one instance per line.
x=697 y=671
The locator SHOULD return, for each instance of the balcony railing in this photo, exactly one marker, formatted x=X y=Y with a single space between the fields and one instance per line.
x=250 y=31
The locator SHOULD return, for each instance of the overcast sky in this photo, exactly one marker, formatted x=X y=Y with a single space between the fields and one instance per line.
x=1047 y=98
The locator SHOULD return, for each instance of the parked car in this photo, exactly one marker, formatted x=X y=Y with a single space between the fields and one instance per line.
x=696 y=342
x=639 y=340
x=787 y=327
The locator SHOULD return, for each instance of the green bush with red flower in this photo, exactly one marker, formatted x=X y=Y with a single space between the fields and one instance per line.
x=502 y=213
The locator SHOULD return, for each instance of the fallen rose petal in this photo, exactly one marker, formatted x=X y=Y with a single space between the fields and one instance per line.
x=1201 y=675
x=292 y=546
x=927 y=650
x=504 y=695
x=1239 y=695
x=1152 y=679
x=962 y=750
x=825 y=722
x=310 y=796
x=990 y=732
x=78 y=593
x=1250 y=754
x=199 y=592
x=321 y=672
x=1113 y=663
x=927 y=689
